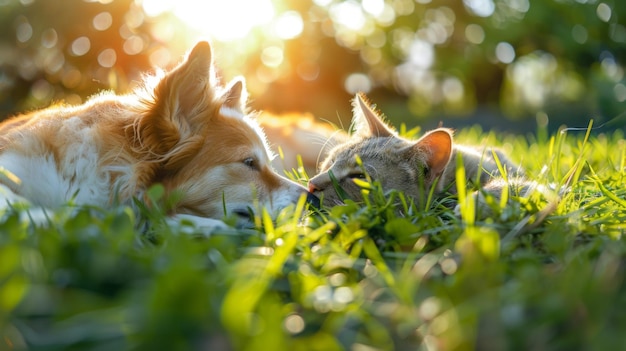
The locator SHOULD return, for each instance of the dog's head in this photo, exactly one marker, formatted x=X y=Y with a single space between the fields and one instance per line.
x=207 y=147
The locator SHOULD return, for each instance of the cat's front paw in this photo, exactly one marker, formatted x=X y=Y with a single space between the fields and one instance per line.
x=481 y=206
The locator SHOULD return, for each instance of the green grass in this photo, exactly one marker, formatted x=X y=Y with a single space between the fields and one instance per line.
x=383 y=275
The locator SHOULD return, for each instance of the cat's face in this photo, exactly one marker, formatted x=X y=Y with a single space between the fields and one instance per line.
x=386 y=160
x=374 y=149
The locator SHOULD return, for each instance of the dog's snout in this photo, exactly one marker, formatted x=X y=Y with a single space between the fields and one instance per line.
x=313 y=200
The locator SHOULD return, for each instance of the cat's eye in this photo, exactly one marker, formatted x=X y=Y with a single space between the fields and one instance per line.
x=251 y=162
x=356 y=175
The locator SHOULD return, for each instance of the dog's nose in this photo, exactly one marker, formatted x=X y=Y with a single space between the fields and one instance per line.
x=312 y=200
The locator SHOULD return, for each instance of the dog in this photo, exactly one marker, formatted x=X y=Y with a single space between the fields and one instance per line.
x=181 y=129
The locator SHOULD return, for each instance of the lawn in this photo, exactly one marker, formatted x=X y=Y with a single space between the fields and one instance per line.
x=538 y=274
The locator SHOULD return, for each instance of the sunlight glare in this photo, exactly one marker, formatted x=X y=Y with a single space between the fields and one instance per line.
x=222 y=20
x=289 y=25
x=374 y=7
x=348 y=14
x=482 y=8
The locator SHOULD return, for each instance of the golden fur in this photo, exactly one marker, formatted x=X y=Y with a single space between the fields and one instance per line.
x=185 y=131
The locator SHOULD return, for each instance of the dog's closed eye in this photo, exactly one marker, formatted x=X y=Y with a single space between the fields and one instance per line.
x=252 y=163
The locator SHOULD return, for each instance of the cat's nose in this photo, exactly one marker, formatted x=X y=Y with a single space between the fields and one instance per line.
x=313 y=187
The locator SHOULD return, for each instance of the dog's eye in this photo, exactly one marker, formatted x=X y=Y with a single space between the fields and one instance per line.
x=251 y=163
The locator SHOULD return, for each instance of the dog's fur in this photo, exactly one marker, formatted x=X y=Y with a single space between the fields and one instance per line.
x=411 y=167
x=184 y=131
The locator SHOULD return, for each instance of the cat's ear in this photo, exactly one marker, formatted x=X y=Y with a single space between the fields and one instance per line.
x=366 y=121
x=435 y=149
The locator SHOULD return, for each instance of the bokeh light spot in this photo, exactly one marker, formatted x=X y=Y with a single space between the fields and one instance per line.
x=49 y=38
x=521 y=6
x=308 y=70
x=42 y=90
x=377 y=39
x=620 y=92
x=134 y=18
x=421 y=54
x=404 y=7
x=289 y=25
x=474 y=33
x=272 y=56
x=452 y=89
x=604 y=12
x=449 y=266
x=80 y=46
x=71 y=79
x=580 y=34
x=505 y=52
x=343 y=295
x=23 y=30
x=294 y=323
x=429 y=308
x=611 y=68
x=481 y=8
x=54 y=61
x=358 y=82
x=374 y=7
x=102 y=21
x=107 y=58
x=337 y=279
x=348 y=14
x=160 y=57
x=387 y=17
x=618 y=33
x=371 y=55
x=163 y=31
x=133 y=45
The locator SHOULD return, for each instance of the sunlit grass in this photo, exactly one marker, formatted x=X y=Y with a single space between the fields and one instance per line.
x=386 y=274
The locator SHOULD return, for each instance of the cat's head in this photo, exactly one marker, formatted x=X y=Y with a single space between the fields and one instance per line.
x=376 y=151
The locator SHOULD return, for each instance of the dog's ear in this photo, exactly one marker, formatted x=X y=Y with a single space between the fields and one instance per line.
x=234 y=98
x=366 y=121
x=183 y=100
x=188 y=89
x=435 y=150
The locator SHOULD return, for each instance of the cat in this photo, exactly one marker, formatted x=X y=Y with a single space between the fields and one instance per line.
x=376 y=151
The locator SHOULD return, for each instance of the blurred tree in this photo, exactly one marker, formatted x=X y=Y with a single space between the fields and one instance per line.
x=450 y=56
x=51 y=53
x=445 y=57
